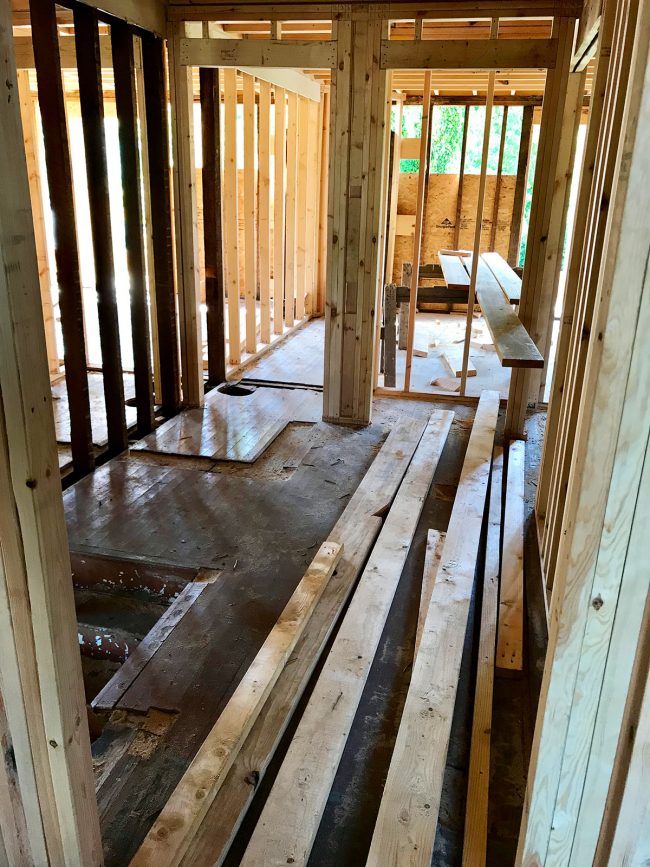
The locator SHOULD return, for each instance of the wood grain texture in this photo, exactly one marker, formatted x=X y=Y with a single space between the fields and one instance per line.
x=478 y=782
x=290 y=819
x=406 y=824
x=510 y=641
x=172 y=832
x=435 y=544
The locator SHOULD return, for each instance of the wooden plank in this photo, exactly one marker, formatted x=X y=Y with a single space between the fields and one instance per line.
x=168 y=839
x=408 y=813
x=600 y=564
x=393 y=217
x=356 y=530
x=279 y=169
x=520 y=185
x=461 y=178
x=289 y=821
x=15 y=848
x=59 y=176
x=301 y=206
x=503 y=54
x=311 y=218
x=478 y=222
x=497 y=187
x=302 y=54
x=185 y=213
x=511 y=341
x=420 y=206
x=161 y=220
x=230 y=215
x=264 y=208
x=511 y=601
x=291 y=211
x=455 y=275
x=30 y=137
x=212 y=228
x=127 y=121
x=36 y=599
x=507 y=279
x=250 y=240
x=390 y=336
x=453 y=360
x=478 y=783
x=432 y=557
x=110 y=695
x=323 y=160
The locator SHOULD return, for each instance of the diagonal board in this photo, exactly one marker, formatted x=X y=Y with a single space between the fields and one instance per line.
x=287 y=827
x=478 y=783
x=435 y=544
x=513 y=344
x=357 y=530
x=406 y=824
x=168 y=839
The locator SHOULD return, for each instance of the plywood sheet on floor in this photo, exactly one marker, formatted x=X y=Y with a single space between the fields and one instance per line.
x=97 y=408
x=233 y=427
x=299 y=359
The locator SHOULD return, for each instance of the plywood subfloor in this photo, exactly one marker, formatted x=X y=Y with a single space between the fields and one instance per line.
x=233 y=427
x=299 y=359
x=97 y=408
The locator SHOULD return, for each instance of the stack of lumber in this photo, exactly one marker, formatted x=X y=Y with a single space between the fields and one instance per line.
x=408 y=455
x=197 y=825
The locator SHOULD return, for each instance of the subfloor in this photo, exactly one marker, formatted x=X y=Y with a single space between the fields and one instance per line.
x=258 y=525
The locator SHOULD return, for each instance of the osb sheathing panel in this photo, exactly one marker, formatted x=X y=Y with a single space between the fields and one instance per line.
x=440 y=215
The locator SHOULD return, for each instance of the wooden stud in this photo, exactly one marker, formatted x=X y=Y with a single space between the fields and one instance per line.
x=39 y=661
x=264 y=208
x=161 y=219
x=230 y=213
x=301 y=206
x=30 y=138
x=408 y=814
x=279 y=149
x=420 y=206
x=478 y=778
x=127 y=119
x=497 y=187
x=291 y=210
x=212 y=229
x=172 y=832
x=250 y=243
x=185 y=213
x=291 y=815
x=311 y=214
x=479 y=221
x=323 y=204
x=601 y=583
x=461 y=179
x=520 y=185
x=59 y=178
x=394 y=190
x=510 y=641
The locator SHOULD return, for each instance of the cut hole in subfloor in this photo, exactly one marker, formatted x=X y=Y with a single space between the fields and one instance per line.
x=235 y=390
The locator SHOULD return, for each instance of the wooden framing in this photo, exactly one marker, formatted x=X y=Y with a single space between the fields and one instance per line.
x=601 y=585
x=290 y=213
x=547 y=223
x=186 y=223
x=497 y=188
x=230 y=213
x=250 y=235
x=468 y=54
x=264 y=208
x=279 y=169
x=461 y=178
x=40 y=670
x=257 y=53
x=161 y=220
x=520 y=185
x=301 y=206
x=127 y=118
x=59 y=174
x=212 y=226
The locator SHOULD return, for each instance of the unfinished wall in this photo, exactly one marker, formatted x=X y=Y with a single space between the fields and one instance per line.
x=440 y=215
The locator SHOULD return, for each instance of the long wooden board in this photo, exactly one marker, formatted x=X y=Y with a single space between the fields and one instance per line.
x=476 y=813
x=511 y=602
x=357 y=529
x=168 y=839
x=456 y=277
x=435 y=542
x=505 y=276
x=453 y=361
x=513 y=344
x=408 y=813
x=290 y=819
